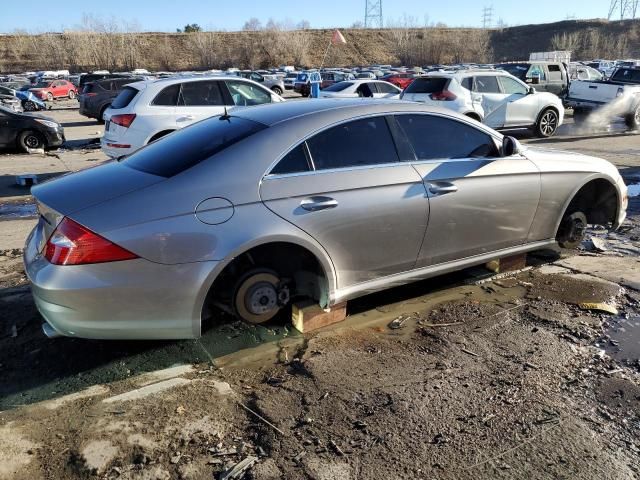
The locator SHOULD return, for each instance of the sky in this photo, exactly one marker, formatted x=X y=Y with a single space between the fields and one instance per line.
x=163 y=15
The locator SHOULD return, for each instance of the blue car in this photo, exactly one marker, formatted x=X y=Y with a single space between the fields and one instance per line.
x=30 y=103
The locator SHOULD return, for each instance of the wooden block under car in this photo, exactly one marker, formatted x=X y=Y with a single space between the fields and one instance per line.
x=508 y=264
x=307 y=317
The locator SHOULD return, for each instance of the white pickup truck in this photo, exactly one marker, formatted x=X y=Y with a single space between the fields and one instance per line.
x=617 y=97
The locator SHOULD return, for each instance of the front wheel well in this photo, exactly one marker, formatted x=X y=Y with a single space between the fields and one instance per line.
x=598 y=200
x=295 y=265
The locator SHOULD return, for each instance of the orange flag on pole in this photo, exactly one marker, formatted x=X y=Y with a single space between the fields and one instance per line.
x=337 y=38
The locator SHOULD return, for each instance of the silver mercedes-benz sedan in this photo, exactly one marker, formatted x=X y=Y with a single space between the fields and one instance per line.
x=325 y=200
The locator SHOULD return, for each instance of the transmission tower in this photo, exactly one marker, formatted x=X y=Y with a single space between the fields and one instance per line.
x=626 y=8
x=373 y=14
x=487 y=17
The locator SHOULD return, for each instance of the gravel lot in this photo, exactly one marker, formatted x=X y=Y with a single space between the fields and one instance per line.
x=501 y=379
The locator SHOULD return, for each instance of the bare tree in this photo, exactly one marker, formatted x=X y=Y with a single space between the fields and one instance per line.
x=252 y=25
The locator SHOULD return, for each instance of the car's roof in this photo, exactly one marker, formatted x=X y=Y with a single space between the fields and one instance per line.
x=344 y=108
x=161 y=82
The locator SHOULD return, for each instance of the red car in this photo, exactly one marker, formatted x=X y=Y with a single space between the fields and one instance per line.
x=400 y=80
x=50 y=89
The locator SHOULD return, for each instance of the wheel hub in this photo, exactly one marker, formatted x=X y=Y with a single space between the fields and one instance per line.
x=261 y=298
x=31 y=141
x=576 y=229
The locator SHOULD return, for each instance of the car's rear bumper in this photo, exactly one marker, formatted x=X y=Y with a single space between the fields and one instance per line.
x=115 y=148
x=133 y=299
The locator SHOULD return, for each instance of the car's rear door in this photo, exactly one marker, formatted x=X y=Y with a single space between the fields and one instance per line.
x=493 y=100
x=522 y=107
x=478 y=202
x=346 y=187
x=198 y=100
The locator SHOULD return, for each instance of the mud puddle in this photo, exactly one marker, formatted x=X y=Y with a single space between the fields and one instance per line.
x=624 y=340
x=13 y=211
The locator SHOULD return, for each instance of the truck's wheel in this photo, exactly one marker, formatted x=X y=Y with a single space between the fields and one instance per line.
x=633 y=120
x=547 y=123
x=572 y=230
x=580 y=115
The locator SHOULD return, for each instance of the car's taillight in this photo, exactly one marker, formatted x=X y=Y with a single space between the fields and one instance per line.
x=73 y=244
x=444 y=95
x=124 y=120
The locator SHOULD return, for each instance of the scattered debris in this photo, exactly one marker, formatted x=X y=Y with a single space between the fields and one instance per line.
x=398 y=322
x=239 y=469
x=261 y=418
x=599 y=307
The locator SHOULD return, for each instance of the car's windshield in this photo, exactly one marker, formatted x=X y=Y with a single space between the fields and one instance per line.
x=518 y=70
x=338 y=87
x=41 y=85
x=626 y=75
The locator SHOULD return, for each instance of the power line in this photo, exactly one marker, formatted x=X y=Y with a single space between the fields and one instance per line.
x=373 y=14
x=626 y=9
x=487 y=17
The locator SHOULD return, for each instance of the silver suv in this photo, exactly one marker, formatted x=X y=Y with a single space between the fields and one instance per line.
x=326 y=200
x=493 y=97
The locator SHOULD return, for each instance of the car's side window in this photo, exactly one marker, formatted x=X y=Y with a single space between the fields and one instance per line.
x=511 y=86
x=555 y=74
x=245 y=94
x=487 y=84
x=361 y=142
x=434 y=138
x=168 y=97
x=384 y=88
x=200 y=94
x=295 y=161
x=536 y=71
x=467 y=83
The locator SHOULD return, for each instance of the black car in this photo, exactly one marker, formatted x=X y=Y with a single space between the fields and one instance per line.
x=95 y=77
x=29 y=131
x=96 y=97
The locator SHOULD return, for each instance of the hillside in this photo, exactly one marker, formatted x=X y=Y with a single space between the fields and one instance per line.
x=80 y=51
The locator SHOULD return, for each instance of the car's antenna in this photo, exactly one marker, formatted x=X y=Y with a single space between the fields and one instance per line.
x=226 y=115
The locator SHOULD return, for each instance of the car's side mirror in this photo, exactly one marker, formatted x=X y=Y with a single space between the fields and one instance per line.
x=510 y=147
x=531 y=91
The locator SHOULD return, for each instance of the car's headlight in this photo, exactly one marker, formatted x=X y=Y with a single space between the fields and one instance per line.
x=47 y=123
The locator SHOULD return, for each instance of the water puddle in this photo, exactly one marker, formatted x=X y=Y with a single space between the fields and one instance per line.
x=624 y=339
x=13 y=211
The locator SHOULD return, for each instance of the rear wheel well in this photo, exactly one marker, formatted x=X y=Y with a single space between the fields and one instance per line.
x=598 y=200
x=295 y=265
x=160 y=134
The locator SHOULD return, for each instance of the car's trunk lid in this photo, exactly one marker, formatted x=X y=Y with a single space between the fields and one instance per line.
x=74 y=192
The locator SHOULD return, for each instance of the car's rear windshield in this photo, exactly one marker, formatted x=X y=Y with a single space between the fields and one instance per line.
x=427 y=85
x=518 y=70
x=337 y=87
x=181 y=150
x=124 y=97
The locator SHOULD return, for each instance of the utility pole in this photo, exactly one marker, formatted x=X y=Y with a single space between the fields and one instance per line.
x=487 y=17
x=373 y=14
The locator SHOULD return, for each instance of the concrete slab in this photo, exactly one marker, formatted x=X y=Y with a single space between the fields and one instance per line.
x=86 y=393
x=622 y=270
x=165 y=374
x=148 y=391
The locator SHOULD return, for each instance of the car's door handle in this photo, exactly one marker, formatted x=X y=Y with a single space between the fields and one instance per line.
x=314 y=204
x=442 y=188
x=185 y=118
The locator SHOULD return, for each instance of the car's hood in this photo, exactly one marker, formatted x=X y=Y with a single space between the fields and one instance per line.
x=40 y=116
x=74 y=192
x=550 y=160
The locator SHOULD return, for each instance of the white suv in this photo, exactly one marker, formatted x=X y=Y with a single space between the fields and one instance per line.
x=145 y=111
x=493 y=97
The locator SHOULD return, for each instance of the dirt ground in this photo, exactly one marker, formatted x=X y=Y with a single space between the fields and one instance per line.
x=505 y=378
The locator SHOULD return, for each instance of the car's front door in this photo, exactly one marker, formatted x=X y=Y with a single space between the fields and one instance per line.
x=346 y=188
x=479 y=202
x=493 y=100
x=244 y=94
x=197 y=101
x=522 y=107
